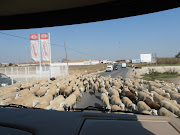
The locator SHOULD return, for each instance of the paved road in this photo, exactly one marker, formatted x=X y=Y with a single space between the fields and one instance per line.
x=89 y=99
x=124 y=72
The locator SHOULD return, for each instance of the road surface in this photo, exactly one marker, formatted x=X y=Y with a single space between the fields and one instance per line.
x=124 y=72
x=89 y=99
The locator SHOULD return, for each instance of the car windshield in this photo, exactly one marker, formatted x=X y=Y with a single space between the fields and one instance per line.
x=56 y=64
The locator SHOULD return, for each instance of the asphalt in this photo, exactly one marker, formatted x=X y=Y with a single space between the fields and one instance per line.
x=124 y=72
x=89 y=99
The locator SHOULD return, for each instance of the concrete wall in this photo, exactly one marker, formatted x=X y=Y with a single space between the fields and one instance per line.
x=161 y=69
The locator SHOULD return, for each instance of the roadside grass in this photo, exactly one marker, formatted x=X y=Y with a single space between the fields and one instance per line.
x=154 y=65
x=160 y=76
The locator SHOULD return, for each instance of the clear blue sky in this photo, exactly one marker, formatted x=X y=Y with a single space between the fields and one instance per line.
x=123 y=38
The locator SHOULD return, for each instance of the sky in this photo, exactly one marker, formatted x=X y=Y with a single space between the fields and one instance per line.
x=124 y=38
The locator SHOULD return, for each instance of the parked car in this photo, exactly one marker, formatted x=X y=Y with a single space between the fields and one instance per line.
x=115 y=67
x=5 y=80
x=109 y=68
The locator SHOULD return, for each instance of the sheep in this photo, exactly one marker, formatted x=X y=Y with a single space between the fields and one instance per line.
x=35 y=88
x=81 y=87
x=176 y=97
x=47 y=97
x=143 y=95
x=78 y=94
x=160 y=92
x=124 y=90
x=128 y=103
x=21 y=100
x=116 y=108
x=42 y=104
x=18 y=85
x=115 y=100
x=103 y=90
x=146 y=112
x=107 y=85
x=53 y=91
x=62 y=88
x=133 y=91
x=164 y=112
x=69 y=102
x=55 y=103
x=152 y=104
x=158 y=98
x=131 y=96
x=105 y=101
x=68 y=91
x=142 y=106
x=170 y=107
x=41 y=91
x=60 y=109
x=95 y=88
x=113 y=92
x=8 y=95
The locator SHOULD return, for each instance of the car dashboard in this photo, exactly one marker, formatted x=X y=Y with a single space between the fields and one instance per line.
x=45 y=122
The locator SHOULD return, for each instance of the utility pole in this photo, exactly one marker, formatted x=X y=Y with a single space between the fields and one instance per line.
x=66 y=55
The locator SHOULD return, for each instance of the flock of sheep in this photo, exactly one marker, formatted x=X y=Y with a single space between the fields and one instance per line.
x=150 y=97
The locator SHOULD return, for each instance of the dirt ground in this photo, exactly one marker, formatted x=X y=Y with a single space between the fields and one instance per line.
x=86 y=69
x=173 y=80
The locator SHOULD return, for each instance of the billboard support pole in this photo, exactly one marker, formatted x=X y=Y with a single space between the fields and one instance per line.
x=39 y=54
x=50 y=55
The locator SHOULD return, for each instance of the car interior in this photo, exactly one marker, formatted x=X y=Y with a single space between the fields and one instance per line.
x=37 y=14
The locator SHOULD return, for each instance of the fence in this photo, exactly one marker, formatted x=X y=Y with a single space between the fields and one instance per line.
x=33 y=72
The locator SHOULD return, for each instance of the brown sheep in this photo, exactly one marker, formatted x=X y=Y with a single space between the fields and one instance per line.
x=131 y=96
x=152 y=104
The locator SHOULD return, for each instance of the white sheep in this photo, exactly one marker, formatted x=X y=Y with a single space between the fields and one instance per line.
x=170 y=107
x=105 y=101
x=42 y=104
x=113 y=92
x=143 y=95
x=116 y=108
x=176 y=96
x=142 y=106
x=41 y=92
x=115 y=100
x=78 y=94
x=69 y=102
x=128 y=103
x=164 y=112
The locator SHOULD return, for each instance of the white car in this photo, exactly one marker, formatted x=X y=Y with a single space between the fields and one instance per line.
x=109 y=68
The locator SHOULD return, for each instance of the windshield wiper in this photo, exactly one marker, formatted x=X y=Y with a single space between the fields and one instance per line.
x=16 y=106
x=92 y=108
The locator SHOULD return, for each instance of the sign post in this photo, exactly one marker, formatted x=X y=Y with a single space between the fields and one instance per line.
x=46 y=48
x=35 y=49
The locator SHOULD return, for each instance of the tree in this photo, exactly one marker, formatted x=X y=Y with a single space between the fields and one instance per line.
x=178 y=55
x=10 y=64
x=64 y=59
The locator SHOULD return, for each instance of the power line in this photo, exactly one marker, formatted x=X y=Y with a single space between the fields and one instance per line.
x=51 y=44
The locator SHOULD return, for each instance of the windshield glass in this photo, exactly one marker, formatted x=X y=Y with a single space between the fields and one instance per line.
x=52 y=65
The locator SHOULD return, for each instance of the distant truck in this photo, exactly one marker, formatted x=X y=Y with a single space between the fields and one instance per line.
x=109 y=68
x=123 y=65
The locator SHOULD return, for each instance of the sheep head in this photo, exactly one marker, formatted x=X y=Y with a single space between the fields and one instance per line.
x=154 y=112
x=122 y=106
x=133 y=106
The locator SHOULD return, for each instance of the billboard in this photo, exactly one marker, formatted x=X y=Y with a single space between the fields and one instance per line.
x=146 y=58
x=45 y=46
x=35 y=49
x=135 y=60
